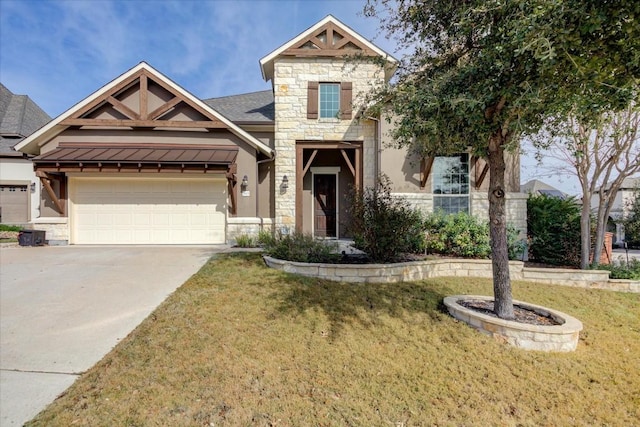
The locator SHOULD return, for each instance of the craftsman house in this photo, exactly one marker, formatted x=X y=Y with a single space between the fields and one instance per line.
x=143 y=161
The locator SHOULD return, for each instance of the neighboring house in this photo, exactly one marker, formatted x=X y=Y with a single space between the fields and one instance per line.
x=539 y=188
x=19 y=192
x=621 y=206
x=143 y=161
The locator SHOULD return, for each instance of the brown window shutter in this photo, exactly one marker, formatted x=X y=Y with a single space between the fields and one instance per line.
x=345 y=100
x=312 y=100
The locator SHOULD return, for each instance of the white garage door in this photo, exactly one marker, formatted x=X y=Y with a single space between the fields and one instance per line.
x=147 y=210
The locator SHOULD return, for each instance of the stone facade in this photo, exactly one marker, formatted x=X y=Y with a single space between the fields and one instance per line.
x=56 y=230
x=237 y=226
x=290 y=83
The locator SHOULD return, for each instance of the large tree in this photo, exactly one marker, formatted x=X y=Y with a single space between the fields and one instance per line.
x=482 y=74
x=601 y=154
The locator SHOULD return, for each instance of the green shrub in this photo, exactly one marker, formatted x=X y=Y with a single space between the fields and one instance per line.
x=5 y=227
x=621 y=269
x=384 y=226
x=460 y=235
x=265 y=238
x=246 y=241
x=553 y=230
x=300 y=247
x=516 y=245
x=463 y=235
x=632 y=222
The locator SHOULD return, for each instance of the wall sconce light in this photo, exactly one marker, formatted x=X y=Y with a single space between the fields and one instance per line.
x=245 y=182
x=285 y=182
x=32 y=187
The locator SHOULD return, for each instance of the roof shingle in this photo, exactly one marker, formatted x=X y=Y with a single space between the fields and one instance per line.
x=254 y=107
x=19 y=118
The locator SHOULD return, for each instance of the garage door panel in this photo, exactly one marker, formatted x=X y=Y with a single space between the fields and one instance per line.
x=148 y=211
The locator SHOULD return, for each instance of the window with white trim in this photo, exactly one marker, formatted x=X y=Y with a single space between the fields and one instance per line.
x=450 y=182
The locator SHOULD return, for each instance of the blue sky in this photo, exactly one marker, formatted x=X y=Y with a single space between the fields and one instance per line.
x=59 y=52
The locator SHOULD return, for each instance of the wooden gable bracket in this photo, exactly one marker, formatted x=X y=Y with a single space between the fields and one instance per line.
x=308 y=165
x=335 y=44
x=348 y=161
x=119 y=106
x=232 y=188
x=425 y=170
x=480 y=176
x=143 y=118
x=45 y=179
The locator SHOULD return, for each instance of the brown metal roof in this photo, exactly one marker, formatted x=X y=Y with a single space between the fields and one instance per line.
x=140 y=154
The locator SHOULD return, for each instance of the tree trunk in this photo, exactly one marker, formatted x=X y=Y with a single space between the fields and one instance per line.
x=585 y=233
x=601 y=228
x=503 y=305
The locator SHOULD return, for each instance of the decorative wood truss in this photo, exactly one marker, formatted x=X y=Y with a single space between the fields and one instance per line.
x=58 y=202
x=329 y=40
x=143 y=101
x=142 y=158
x=426 y=163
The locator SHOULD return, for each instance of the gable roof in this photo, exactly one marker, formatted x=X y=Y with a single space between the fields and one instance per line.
x=75 y=114
x=329 y=37
x=19 y=117
x=538 y=187
x=247 y=108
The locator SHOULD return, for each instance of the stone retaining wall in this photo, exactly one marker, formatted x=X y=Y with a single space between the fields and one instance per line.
x=562 y=337
x=417 y=270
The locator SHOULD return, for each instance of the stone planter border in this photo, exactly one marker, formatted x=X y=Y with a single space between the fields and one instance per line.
x=555 y=338
x=418 y=270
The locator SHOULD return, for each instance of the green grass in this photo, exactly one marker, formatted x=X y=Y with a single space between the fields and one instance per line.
x=5 y=227
x=241 y=345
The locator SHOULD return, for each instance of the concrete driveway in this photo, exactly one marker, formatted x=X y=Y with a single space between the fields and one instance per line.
x=63 y=308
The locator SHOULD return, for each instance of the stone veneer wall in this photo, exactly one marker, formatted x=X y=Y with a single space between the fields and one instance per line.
x=418 y=270
x=290 y=81
x=246 y=225
x=56 y=229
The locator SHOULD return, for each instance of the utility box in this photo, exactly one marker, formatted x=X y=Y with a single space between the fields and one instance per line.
x=31 y=238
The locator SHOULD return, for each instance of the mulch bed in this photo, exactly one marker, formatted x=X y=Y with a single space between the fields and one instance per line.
x=523 y=315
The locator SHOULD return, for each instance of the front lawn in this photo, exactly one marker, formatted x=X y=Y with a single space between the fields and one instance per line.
x=241 y=344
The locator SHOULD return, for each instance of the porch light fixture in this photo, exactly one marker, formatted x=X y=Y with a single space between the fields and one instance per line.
x=285 y=182
x=245 y=182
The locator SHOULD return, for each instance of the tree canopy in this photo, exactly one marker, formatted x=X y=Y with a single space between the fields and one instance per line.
x=481 y=74
x=476 y=66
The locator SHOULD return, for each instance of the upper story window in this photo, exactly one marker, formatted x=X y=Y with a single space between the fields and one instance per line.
x=451 y=183
x=329 y=100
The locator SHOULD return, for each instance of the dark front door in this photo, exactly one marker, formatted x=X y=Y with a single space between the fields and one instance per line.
x=324 y=205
